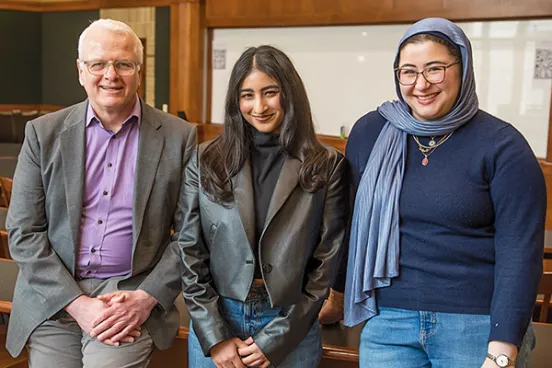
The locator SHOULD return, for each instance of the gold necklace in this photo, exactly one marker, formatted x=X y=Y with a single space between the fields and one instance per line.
x=428 y=150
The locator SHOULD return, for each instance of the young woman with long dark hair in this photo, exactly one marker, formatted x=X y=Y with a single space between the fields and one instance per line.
x=265 y=209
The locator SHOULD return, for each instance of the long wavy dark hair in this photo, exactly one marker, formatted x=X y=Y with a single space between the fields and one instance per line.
x=226 y=155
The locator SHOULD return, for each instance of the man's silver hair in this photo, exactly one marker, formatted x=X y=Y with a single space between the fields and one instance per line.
x=114 y=26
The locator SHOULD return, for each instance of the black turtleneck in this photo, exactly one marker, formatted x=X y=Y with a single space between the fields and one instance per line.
x=266 y=162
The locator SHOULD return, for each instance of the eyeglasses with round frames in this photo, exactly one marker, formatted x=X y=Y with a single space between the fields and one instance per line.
x=122 y=67
x=433 y=74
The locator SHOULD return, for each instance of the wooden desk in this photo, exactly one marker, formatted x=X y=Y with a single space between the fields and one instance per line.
x=548 y=244
x=547 y=266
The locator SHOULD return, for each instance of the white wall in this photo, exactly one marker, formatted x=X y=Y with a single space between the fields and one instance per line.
x=348 y=71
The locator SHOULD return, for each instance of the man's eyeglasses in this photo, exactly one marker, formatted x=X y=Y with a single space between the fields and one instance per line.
x=122 y=67
x=433 y=74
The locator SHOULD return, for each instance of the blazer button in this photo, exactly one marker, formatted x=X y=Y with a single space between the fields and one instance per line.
x=267 y=267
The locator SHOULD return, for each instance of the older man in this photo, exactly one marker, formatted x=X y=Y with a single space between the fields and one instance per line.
x=94 y=200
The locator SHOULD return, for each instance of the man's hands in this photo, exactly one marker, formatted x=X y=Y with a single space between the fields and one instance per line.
x=112 y=318
x=85 y=309
x=234 y=353
x=126 y=311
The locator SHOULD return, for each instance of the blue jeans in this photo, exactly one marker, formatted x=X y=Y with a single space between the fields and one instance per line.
x=247 y=318
x=399 y=338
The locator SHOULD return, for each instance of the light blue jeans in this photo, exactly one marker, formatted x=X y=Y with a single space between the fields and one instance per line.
x=399 y=338
x=245 y=319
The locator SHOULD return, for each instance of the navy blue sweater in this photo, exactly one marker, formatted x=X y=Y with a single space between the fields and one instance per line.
x=471 y=223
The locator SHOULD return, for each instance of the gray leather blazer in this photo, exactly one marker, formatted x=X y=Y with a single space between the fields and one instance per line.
x=299 y=250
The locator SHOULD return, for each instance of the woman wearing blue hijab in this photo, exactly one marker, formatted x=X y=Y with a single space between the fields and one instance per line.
x=447 y=236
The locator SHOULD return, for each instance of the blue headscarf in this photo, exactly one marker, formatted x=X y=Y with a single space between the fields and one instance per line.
x=374 y=242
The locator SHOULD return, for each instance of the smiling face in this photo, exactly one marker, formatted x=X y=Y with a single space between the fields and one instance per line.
x=260 y=102
x=430 y=102
x=110 y=92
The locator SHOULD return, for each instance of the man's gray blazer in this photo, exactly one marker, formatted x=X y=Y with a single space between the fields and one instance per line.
x=45 y=215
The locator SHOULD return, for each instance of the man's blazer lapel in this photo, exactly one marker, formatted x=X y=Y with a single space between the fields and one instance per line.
x=72 y=143
x=243 y=196
x=150 y=146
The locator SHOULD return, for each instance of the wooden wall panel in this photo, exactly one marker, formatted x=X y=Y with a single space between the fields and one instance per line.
x=547 y=171
x=253 y=13
x=18 y=5
x=73 y=5
x=29 y=107
x=549 y=147
x=187 y=68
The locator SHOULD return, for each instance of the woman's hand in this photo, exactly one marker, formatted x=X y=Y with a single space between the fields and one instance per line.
x=252 y=356
x=225 y=353
x=498 y=348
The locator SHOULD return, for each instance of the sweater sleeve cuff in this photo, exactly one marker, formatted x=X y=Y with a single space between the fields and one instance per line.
x=511 y=331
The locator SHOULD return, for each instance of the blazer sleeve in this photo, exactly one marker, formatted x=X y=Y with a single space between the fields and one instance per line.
x=281 y=335
x=27 y=227
x=199 y=294
x=164 y=281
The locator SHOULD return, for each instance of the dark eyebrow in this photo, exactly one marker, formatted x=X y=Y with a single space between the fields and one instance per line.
x=430 y=63
x=435 y=62
x=272 y=86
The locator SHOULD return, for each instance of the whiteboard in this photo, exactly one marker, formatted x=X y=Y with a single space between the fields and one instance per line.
x=348 y=70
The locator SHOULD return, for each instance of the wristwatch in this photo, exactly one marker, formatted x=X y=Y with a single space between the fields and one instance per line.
x=501 y=360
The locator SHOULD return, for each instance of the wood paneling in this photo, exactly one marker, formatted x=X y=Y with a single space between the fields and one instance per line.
x=18 y=5
x=50 y=6
x=206 y=132
x=549 y=147
x=209 y=76
x=69 y=6
x=333 y=141
x=187 y=59
x=255 y=13
x=547 y=171
x=31 y=107
x=252 y=13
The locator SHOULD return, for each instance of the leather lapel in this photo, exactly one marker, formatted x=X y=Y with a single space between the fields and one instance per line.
x=150 y=146
x=243 y=196
x=287 y=181
x=72 y=144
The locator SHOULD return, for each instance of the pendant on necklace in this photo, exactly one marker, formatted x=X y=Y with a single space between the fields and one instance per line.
x=432 y=142
x=425 y=161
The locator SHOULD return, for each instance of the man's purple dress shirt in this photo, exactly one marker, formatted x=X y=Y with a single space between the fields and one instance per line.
x=105 y=248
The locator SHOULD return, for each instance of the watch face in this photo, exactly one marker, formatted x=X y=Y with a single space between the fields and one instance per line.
x=502 y=361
